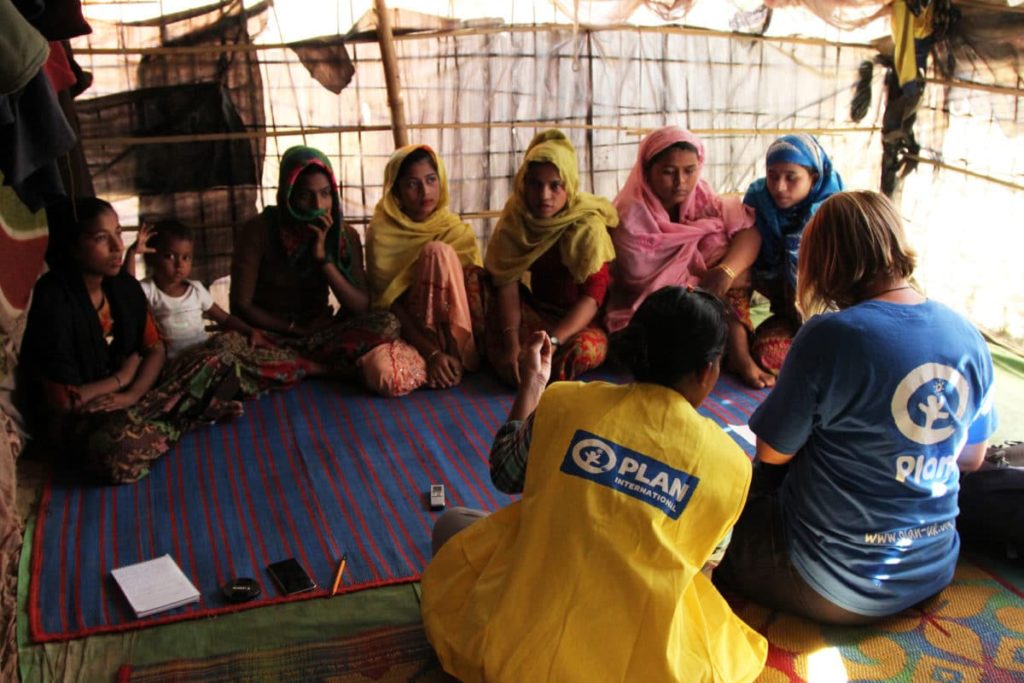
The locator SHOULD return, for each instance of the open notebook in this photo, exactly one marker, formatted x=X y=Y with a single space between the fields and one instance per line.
x=155 y=586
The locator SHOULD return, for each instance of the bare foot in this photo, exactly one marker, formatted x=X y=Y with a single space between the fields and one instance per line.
x=752 y=374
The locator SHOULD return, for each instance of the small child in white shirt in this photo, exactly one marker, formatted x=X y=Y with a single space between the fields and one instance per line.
x=180 y=306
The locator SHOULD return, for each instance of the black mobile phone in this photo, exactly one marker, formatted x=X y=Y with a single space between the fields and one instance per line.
x=290 y=577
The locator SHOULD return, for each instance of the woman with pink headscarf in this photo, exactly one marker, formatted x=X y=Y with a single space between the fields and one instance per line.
x=675 y=230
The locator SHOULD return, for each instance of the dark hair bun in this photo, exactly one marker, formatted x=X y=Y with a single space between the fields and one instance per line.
x=630 y=347
x=676 y=331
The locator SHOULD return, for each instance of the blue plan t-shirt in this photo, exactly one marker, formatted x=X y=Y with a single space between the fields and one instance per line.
x=877 y=401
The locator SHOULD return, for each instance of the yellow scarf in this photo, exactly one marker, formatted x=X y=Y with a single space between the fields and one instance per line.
x=580 y=228
x=394 y=241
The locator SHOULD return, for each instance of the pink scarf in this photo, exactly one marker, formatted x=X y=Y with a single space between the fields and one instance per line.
x=651 y=250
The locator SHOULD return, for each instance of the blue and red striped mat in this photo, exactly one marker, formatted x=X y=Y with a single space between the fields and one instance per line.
x=311 y=473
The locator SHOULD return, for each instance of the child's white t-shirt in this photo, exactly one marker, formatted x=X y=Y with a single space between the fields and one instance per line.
x=179 y=318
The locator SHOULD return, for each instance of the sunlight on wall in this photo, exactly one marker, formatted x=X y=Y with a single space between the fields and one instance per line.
x=969 y=232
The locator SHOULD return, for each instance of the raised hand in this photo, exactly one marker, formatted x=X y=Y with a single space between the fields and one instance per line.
x=141 y=246
x=320 y=225
x=535 y=359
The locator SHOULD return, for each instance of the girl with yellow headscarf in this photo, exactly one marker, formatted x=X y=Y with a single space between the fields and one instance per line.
x=423 y=264
x=560 y=236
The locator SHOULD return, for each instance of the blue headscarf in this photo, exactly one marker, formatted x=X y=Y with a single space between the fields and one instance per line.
x=781 y=228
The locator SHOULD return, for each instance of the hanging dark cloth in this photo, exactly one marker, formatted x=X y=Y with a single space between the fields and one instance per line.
x=327 y=61
x=33 y=134
x=55 y=19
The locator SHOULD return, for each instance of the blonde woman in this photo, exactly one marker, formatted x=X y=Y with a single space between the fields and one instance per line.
x=879 y=405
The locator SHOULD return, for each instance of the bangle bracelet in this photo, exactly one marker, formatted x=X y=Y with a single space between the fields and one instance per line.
x=431 y=356
x=727 y=270
x=120 y=385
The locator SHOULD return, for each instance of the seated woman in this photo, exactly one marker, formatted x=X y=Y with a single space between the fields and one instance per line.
x=424 y=265
x=799 y=178
x=676 y=231
x=877 y=408
x=596 y=573
x=559 y=235
x=92 y=358
x=289 y=257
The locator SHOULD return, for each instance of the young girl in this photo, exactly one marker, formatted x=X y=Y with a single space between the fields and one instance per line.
x=424 y=265
x=560 y=236
x=92 y=357
x=799 y=178
x=180 y=306
x=676 y=231
x=881 y=403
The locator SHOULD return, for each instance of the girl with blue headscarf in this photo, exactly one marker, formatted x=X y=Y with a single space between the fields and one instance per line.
x=799 y=178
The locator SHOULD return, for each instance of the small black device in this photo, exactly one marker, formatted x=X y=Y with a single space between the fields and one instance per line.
x=290 y=577
x=242 y=589
x=437 y=497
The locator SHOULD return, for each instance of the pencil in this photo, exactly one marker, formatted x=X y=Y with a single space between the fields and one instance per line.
x=338 y=575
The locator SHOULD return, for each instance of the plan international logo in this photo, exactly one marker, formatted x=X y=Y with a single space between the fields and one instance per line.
x=635 y=474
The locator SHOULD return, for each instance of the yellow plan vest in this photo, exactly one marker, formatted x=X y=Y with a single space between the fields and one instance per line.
x=594 y=575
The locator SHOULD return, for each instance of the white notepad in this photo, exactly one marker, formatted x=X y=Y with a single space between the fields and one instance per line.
x=155 y=586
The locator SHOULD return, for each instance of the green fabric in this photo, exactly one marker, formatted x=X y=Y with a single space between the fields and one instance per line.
x=23 y=50
x=1009 y=391
x=1007 y=360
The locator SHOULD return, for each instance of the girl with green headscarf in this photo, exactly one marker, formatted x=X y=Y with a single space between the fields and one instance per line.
x=288 y=259
x=560 y=236
x=424 y=265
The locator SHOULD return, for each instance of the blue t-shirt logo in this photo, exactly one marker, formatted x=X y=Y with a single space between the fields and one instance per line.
x=607 y=463
x=929 y=403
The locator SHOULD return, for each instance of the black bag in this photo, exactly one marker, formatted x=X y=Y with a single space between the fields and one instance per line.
x=992 y=500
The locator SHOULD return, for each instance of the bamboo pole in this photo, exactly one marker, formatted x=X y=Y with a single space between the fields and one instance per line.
x=985 y=87
x=436 y=34
x=220 y=137
x=965 y=171
x=322 y=130
x=390 y=60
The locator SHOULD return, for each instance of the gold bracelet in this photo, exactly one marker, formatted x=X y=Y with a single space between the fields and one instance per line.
x=431 y=356
x=728 y=271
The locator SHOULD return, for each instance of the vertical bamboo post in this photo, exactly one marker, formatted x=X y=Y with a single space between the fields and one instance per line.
x=590 y=111
x=390 y=61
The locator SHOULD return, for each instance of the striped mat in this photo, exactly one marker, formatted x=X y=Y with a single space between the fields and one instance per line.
x=310 y=473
